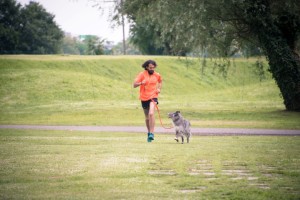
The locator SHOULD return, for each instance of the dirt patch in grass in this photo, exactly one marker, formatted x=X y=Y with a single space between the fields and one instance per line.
x=162 y=172
x=236 y=172
x=261 y=186
x=198 y=189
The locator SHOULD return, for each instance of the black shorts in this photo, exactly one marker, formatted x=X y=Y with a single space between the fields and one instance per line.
x=146 y=104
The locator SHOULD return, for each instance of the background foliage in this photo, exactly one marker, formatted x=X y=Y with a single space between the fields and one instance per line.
x=28 y=30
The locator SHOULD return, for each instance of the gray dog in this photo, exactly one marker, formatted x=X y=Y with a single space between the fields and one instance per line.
x=182 y=126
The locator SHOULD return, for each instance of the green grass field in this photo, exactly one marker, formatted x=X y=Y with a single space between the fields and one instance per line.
x=97 y=90
x=91 y=165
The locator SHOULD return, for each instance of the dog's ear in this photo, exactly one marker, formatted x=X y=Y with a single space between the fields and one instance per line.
x=177 y=111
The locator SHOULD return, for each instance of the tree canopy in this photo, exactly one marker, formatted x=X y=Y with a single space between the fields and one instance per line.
x=9 y=25
x=29 y=29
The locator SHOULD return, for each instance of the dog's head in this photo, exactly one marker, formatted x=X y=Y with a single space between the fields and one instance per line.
x=174 y=116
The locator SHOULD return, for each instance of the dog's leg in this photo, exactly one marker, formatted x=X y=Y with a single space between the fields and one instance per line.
x=188 y=135
x=182 y=139
x=176 y=136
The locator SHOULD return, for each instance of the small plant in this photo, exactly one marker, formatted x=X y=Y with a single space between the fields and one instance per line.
x=259 y=70
x=222 y=65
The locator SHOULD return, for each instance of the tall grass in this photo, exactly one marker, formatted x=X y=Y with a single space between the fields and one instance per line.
x=97 y=90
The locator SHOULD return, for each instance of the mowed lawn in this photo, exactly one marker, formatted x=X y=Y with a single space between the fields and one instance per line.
x=97 y=90
x=94 y=165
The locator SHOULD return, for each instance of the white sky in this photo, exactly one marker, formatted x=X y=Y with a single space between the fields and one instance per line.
x=79 y=17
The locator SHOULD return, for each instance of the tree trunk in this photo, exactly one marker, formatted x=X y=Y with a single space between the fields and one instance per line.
x=284 y=63
x=284 y=67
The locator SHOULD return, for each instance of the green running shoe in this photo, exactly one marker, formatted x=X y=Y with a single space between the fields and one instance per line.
x=151 y=136
x=148 y=138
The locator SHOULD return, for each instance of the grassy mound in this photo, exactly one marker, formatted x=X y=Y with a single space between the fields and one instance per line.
x=97 y=90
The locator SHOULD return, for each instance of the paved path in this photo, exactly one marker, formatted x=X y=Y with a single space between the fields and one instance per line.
x=141 y=129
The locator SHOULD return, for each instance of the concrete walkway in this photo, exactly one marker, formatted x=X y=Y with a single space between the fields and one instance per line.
x=141 y=129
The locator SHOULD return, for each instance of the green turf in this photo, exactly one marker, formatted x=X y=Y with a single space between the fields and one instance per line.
x=92 y=165
x=97 y=90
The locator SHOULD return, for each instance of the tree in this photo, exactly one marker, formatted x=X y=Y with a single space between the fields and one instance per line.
x=69 y=45
x=147 y=35
x=278 y=36
x=130 y=49
x=9 y=26
x=39 y=32
x=94 y=45
x=144 y=37
x=274 y=26
x=30 y=29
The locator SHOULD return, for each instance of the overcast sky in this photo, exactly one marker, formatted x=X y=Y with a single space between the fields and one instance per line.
x=79 y=17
